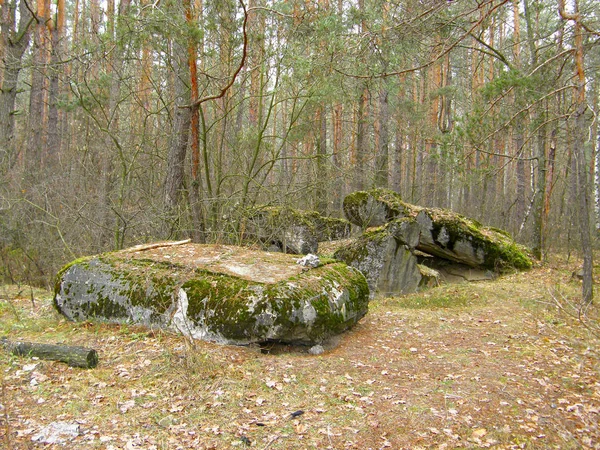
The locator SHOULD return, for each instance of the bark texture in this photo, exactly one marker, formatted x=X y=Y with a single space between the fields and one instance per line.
x=74 y=356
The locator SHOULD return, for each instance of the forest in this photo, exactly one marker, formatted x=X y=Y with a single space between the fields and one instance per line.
x=127 y=122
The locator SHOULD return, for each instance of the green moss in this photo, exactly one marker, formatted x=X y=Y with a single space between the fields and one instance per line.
x=224 y=305
x=234 y=315
x=331 y=228
x=499 y=250
x=358 y=250
x=356 y=199
x=151 y=287
x=104 y=307
x=57 y=280
x=224 y=294
x=278 y=216
x=328 y=320
x=355 y=205
x=324 y=260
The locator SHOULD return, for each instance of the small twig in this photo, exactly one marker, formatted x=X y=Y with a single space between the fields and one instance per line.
x=580 y=316
x=273 y=439
x=144 y=247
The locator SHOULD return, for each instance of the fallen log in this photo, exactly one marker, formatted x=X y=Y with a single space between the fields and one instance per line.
x=74 y=356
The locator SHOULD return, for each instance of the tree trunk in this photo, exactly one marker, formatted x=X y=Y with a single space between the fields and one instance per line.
x=579 y=136
x=583 y=191
x=361 y=172
x=382 y=158
x=56 y=35
x=179 y=135
x=113 y=139
x=539 y=225
x=37 y=97
x=15 y=39
x=337 y=186
x=196 y=186
x=521 y=201
x=321 y=154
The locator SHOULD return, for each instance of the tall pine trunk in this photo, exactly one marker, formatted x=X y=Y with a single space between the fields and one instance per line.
x=56 y=35
x=37 y=97
x=15 y=40
x=582 y=185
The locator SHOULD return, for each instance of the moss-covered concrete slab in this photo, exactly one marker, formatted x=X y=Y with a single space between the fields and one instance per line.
x=292 y=230
x=373 y=208
x=218 y=293
x=385 y=256
x=394 y=232
x=451 y=236
x=443 y=233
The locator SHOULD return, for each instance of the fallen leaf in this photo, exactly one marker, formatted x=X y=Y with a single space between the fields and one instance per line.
x=479 y=433
x=127 y=406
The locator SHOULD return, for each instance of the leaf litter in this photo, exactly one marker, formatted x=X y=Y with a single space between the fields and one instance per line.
x=505 y=370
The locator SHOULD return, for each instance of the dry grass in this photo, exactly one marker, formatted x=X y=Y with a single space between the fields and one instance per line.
x=492 y=364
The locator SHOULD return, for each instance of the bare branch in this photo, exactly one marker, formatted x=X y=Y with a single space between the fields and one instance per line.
x=202 y=100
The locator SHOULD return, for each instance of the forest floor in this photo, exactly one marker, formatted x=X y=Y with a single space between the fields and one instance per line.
x=497 y=364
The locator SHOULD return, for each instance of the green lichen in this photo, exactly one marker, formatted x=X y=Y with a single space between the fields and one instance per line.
x=358 y=250
x=226 y=297
x=104 y=307
x=151 y=284
x=331 y=228
x=278 y=216
x=59 y=275
x=324 y=260
x=328 y=320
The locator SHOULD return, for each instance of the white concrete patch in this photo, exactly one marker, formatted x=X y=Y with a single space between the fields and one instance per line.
x=309 y=313
x=181 y=323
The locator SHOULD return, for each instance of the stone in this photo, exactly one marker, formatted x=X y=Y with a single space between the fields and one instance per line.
x=316 y=349
x=309 y=260
x=281 y=228
x=218 y=293
x=57 y=433
x=429 y=277
x=292 y=230
x=373 y=208
x=331 y=228
x=443 y=233
x=451 y=272
x=456 y=238
x=385 y=256
x=396 y=232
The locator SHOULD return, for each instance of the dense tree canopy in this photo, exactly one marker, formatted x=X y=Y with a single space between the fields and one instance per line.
x=137 y=120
